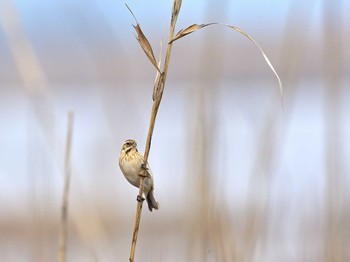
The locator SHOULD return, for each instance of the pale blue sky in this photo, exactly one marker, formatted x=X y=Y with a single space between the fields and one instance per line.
x=43 y=14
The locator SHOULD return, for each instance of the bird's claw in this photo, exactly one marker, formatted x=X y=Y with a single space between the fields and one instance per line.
x=140 y=198
x=144 y=166
x=145 y=172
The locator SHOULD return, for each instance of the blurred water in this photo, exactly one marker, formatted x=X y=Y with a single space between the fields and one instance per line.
x=293 y=190
x=104 y=120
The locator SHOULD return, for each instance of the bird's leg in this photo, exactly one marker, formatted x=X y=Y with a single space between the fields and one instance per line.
x=145 y=172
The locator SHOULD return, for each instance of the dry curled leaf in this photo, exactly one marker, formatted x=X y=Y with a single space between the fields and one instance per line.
x=144 y=43
x=189 y=30
x=147 y=48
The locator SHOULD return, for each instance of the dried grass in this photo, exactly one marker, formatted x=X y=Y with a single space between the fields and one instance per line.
x=65 y=200
x=157 y=96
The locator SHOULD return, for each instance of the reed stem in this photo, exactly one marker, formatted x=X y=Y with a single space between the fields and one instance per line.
x=159 y=87
x=68 y=173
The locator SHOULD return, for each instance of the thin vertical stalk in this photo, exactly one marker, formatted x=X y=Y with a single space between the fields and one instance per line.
x=159 y=88
x=68 y=173
x=333 y=66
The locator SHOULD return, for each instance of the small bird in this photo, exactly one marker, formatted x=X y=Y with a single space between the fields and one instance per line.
x=131 y=163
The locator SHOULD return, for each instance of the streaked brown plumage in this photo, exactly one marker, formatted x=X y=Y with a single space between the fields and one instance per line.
x=130 y=162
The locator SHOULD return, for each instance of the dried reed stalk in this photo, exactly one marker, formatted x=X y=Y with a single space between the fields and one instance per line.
x=335 y=247
x=159 y=88
x=157 y=97
x=64 y=211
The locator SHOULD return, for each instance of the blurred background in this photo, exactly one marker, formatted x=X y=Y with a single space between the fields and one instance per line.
x=238 y=177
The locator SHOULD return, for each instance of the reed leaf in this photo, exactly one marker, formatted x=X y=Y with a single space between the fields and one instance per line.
x=195 y=27
x=189 y=30
x=267 y=60
x=144 y=43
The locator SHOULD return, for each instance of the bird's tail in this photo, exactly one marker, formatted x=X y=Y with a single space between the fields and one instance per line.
x=151 y=201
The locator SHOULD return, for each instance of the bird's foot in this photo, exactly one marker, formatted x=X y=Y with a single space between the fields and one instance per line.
x=145 y=172
x=140 y=198
x=144 y=166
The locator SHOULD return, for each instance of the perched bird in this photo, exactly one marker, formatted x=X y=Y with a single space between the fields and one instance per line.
x=131 y=164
